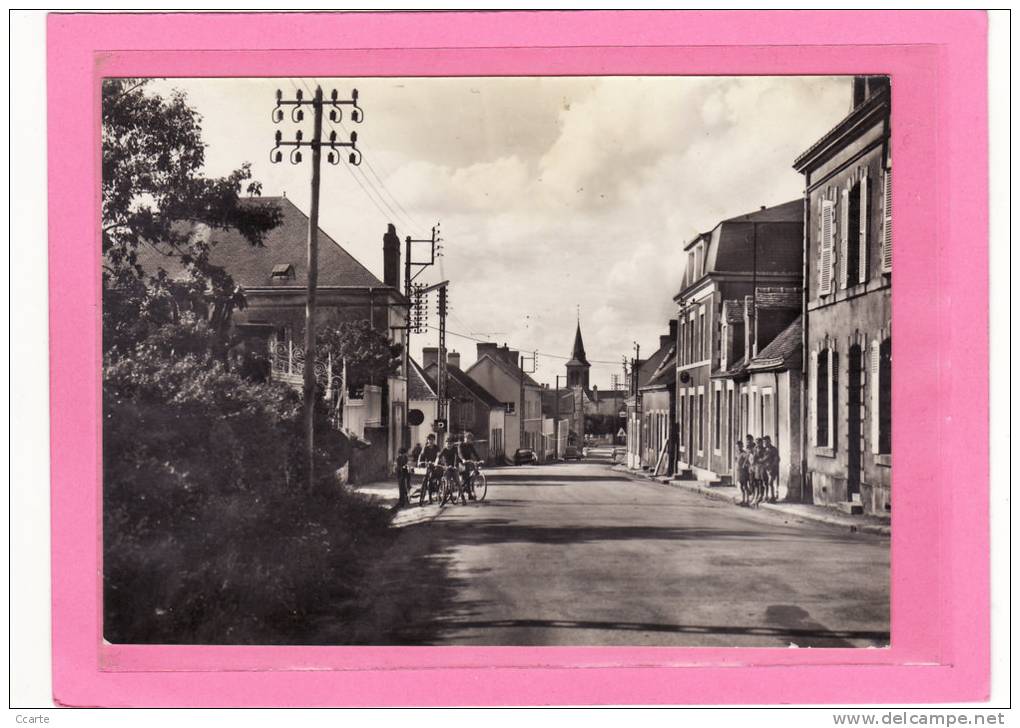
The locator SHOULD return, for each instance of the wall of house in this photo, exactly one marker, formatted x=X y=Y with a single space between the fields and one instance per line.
x=497 y=436
x=655 y=426
x=855 y=314
x=533 y=418
x=785 y=416
x=506 y=389
x=430 y=409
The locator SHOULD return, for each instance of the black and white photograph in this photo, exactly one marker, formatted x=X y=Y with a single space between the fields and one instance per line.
x=503 y=361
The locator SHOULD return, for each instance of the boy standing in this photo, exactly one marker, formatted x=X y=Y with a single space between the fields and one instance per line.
x=743 y=472
x=772 y=468
x=427 y=460
x=403 y=477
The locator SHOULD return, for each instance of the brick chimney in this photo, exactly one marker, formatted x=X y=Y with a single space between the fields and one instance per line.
x=484 y=348
x=391 y=257
x=750 y=328
x=453 y=359
x=429 y=356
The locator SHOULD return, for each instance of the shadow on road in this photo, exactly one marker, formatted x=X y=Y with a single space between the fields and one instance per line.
x=802 y=637
x=530 y=479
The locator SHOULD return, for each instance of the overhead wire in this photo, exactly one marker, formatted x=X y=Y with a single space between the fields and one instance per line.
x=402 y=217
x=520 y=348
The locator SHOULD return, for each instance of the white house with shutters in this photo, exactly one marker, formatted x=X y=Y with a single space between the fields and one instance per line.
x=848 y=313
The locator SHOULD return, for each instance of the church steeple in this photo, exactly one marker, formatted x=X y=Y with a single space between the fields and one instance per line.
x=578 y=366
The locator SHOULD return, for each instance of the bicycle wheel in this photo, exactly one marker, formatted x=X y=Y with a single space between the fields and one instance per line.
x=481 y=487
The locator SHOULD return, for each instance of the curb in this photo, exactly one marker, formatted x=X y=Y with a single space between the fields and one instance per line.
x=694 y=486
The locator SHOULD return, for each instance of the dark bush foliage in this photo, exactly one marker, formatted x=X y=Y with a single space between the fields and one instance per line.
x=210 y=534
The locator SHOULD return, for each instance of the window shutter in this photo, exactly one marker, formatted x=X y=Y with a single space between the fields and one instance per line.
x=862 y=268
x=887 y=222
x=825 y=251
x=873 y=383
x=844 y=238
x=813 y=398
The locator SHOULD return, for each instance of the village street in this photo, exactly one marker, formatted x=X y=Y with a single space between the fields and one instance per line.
x=577 y=554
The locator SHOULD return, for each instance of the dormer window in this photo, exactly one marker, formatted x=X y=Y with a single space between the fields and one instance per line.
x=283 y=272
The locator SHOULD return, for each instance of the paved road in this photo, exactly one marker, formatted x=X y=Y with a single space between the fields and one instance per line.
x=579 y=555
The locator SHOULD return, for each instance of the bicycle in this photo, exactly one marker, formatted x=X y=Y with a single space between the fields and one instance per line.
x=428 y=487
x=451 y=480
x=477 y=481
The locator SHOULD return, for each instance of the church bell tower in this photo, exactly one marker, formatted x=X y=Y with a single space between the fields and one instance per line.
x=578 y=366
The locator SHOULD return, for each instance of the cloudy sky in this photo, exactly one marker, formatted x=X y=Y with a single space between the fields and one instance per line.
x=553 y=193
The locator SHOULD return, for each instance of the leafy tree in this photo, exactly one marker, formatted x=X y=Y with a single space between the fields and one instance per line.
x=153 y=191
x=370 y=355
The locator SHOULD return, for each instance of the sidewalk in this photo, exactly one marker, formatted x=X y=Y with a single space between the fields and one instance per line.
x=387 y=494
x=796 y=511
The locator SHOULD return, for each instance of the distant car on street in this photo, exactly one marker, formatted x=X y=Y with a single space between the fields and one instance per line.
x=525 y=456
x=572 y=453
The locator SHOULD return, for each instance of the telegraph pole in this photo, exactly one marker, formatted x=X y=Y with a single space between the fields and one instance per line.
x=409 y=262
x=635 y=370
x=276 y=156
x=520 y=415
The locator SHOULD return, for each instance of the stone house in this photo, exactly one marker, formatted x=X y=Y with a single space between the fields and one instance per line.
x=848 y=309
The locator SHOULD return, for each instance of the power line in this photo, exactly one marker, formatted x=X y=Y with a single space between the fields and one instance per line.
x=520 y=348
x=391 y=210
x=387 y=216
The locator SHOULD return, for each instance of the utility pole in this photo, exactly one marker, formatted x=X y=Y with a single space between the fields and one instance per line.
x=441 y=365
x=409 y=263
x=558 y=453
x=635 y=384
x=276 y=156
x=534 y=362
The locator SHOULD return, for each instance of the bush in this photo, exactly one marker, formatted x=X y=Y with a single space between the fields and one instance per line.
x=210 y=533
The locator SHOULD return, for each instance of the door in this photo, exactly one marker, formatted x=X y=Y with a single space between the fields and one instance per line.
x=730 y=428
x=853 y=426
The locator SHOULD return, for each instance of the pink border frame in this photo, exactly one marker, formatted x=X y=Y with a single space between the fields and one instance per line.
x=940 y=546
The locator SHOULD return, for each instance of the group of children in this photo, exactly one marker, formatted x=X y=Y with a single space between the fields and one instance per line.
x=456 y=455
x=758 y=471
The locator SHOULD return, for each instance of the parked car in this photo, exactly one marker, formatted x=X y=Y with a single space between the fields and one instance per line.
x=525 y=456
x=572 y=453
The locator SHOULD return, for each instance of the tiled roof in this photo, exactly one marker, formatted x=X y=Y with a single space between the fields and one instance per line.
x=507 y=367
x=778 y=297
x=461 y=379
x=419 y=384
x=666 y=372
x=782 y=352
x=792 y=211
x=286 y=244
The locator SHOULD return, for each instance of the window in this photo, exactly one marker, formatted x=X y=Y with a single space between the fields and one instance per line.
x=768 y=416
x=701 y=333
x=511 y=407
x=682 y=350
x=822 y=399
x=699 y=264
x=683 y=422
x=825 y=397
x=864 y=228
x=881 y=397
x=852 y=244
x=826 y=224
x=717 y=441
x=701 y=423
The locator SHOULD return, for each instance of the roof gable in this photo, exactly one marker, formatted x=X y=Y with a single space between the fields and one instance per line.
x=506 y=368
x=420 y=386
